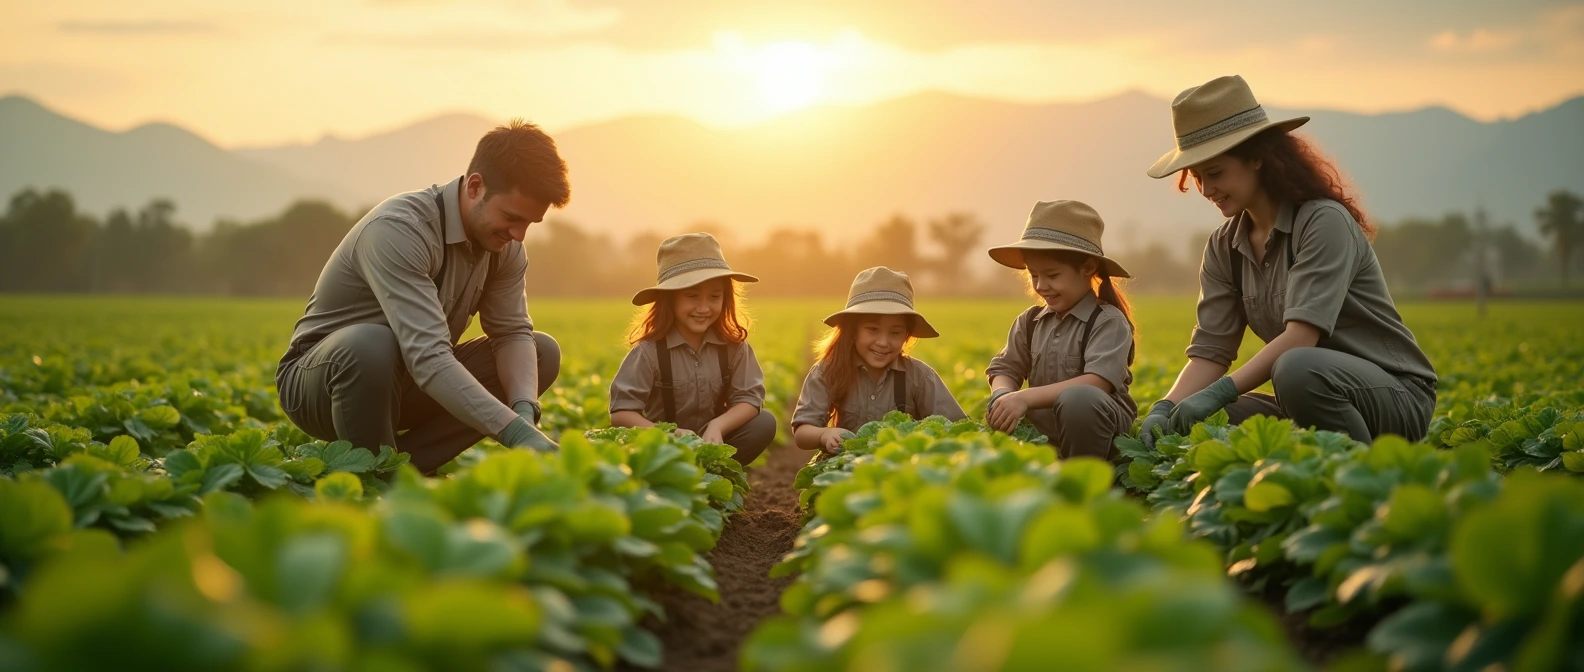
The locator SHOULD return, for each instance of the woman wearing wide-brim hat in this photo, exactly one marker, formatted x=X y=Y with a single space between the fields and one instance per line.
x=1293 y=263
x=863 y=370
x=690 y=363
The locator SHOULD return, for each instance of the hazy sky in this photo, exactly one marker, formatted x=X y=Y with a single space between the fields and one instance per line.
x=250 y=73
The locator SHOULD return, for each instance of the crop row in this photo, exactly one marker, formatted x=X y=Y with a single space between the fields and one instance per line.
x=940 y=546
x=234 y=552
x=1458 y=566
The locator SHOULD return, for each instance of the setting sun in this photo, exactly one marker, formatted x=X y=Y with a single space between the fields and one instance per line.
x=791 y=75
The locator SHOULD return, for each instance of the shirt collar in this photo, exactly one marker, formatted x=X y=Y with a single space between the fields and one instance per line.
x=898 y=364
x=1284 y=223
x=675 y=338
x=451 y=213
x=1079 y=310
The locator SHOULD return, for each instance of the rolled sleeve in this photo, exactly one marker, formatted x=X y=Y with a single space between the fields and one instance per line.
x=748 y=380
x=394 y=259
x=1327 y=251
x=1014 y=360
x=503 y=312
x=813 y=404
x=1110 y=339
x=931 y=396
x=634 y=379
x=1221 y=319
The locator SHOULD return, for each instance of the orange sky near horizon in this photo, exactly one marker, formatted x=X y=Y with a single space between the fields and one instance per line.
x=262 y=73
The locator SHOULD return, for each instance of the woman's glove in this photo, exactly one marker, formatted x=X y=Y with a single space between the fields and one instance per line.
x=1158 y=421
x=1203 y=404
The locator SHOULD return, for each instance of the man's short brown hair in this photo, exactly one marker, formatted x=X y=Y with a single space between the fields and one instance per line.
x=521 y=156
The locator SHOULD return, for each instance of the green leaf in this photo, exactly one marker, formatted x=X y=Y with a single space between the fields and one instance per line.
x=31 y=512
x=220 y=477
x=339 y=486
x=1266 y=495
x=341 y=456
x=1081 y=479
x=307 y=571
x=1414 y=511
x=1573 y=461
x=159 y=417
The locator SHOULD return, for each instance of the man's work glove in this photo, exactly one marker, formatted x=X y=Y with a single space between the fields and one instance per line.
x=521 y=432
x=1158 y=421
x=1203 y=404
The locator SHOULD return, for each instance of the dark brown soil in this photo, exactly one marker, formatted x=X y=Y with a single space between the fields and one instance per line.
x=1319 y=646
x=699 y=636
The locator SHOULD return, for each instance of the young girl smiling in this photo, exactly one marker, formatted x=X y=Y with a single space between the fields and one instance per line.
x=864 y=370
x=1075 y=350
x=691 y=363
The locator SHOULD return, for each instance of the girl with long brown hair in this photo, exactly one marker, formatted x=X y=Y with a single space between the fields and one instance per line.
x=864 y=370
x=1293 y=263
x=690 y=363
x=1076 y=347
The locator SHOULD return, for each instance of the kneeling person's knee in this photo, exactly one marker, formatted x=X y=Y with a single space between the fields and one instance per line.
x=753 y=437
x=1295 y=371
x=1080 y=400
x=548 y=352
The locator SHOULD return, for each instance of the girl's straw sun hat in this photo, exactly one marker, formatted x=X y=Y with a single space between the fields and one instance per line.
x=1212 y=118
x=882 y=291
x=1060 y=226
x=685 y=261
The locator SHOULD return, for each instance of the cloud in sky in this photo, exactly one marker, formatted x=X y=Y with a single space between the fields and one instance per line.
x=291 y=70
x=139 y=28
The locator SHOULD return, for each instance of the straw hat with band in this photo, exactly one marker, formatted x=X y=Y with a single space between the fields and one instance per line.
x=1212 y=118
x=685 y=261
x=1060 y=226
x=882 y=291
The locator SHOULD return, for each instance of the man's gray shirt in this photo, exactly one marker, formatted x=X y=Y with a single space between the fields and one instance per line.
x=386 y=272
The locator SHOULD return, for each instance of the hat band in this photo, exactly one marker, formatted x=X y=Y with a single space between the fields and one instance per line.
x=692 y=265
x=880 y=295
x=1061 y=238
x=1223 y=127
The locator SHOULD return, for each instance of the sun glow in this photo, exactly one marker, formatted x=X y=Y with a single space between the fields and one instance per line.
x=791 y=75
x=787 y=75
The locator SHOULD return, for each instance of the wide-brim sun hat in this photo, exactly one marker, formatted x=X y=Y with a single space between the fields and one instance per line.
x=1212 y=118
x=882 y=291
x=1060 y=226
x=685 y=261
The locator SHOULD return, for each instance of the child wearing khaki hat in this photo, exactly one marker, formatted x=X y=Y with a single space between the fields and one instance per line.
x=1291 y=262
x=864 y=370
x=691 y=364
x=1075 y=348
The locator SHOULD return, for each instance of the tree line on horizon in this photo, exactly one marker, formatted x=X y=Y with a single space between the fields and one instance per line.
x=48 y=245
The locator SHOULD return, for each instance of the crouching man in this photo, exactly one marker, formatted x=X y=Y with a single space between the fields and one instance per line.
x=375 y=360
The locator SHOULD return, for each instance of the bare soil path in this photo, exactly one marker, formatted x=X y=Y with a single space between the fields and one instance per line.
x=699 y=636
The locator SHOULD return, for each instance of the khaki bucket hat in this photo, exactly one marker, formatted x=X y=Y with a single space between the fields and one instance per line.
x=1060 y=225
x=1212 y=118
x=688 y=260
x=882 y=291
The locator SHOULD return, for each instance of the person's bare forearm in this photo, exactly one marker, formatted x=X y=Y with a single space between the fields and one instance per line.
x=517 y=364
x=629 y=419
x=1197 y=375
x=1007 y=382
x=1258 y=370
x=1044 y=396
x=736 y=416
x=808 y=437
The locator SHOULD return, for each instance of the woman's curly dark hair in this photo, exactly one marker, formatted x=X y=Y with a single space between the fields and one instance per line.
x=1294 y=170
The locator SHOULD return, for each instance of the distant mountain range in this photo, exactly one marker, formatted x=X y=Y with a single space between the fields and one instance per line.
x=839 y=170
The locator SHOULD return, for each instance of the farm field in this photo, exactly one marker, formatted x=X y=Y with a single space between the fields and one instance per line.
x=155 y=507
